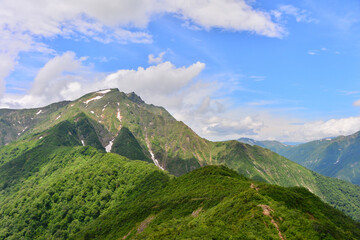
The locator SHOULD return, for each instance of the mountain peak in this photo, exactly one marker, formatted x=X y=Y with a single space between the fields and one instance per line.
x=135 y=98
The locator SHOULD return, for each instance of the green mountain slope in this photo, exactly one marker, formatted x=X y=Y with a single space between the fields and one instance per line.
x=125 y=144
x=14 y=123
x=80 y=192
x=116 y=121
x=334 y=157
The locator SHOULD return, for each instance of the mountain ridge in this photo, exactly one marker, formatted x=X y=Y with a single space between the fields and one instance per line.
x=334 y=157
x=173 y=146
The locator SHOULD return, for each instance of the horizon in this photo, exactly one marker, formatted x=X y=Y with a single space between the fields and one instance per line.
x=281 y=70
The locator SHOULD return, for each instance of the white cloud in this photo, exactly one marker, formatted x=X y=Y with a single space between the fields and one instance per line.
x=357 y=103
x=299 y=14
x=163 y=78
x=332 y=127
x=231 y=14
x=263 y=102
x=52 y=74
x=158 y=59
x=50 y=18
x=52 y=83
x=225 y=127
x=24 y=24
x=264 y=125
x=66 y=77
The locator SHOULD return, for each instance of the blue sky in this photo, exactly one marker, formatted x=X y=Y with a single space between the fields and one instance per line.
x=284 y=70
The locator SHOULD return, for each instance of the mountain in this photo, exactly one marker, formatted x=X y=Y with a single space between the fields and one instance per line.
x=274 y=146
x=51 y=140
x=60 y=189
x=334 y=157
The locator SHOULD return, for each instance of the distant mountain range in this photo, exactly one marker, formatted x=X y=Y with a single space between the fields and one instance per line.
x=334 y=157
x=105 y=166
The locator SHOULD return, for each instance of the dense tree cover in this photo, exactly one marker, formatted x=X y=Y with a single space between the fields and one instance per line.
x=70 y=191
x=340 y=194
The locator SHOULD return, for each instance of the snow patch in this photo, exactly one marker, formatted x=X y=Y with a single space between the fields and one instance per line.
x=57 y=117
x=109 y=146
x=22 y=131
x=118 y=115
x=41 y=137
x=337 y=161
x=105 y=106
x=104 y=91
x=83 y=143
x=156 y=162
x=93 y=99
x=40 y=111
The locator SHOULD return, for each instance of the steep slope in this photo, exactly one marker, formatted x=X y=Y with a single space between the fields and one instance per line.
x=120 y=121
x=125 y=144
x=334 y=157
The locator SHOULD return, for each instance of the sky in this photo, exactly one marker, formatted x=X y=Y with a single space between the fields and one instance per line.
x=269 y=70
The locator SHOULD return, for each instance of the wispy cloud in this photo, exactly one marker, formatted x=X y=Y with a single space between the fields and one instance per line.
x=322 y=50
x=357 y=103
x=346 y=92
x=262 y=103
x=158 y=59
x=257 y=78
x=300 y=15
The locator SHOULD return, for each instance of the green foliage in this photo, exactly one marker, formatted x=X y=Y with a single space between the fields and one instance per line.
x=75 y=187
x=340 y=194
x=16 y=123
x=215 y=202
x=86 y=132
x=65 y=191
x=125 y=144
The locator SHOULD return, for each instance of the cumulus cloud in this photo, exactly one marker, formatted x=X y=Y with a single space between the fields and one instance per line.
x=297 y=130
x=66 y=77
x=23 y=25
x=231 y=14
x=163 y=78
x=225 y=127
x=48 y=18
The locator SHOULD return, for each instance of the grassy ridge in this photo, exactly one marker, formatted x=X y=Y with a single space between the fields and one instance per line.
x=215 y=202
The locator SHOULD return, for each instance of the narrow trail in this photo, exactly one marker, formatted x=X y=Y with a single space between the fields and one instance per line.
x=267 y=212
